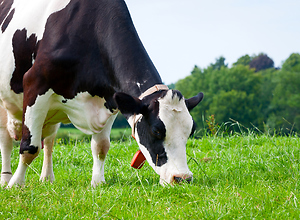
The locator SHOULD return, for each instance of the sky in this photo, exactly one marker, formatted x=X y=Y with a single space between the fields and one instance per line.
x=179 y=34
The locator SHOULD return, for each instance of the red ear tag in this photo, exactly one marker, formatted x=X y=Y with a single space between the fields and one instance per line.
x=138 y=160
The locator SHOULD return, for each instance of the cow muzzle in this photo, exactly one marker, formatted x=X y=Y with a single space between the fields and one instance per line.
x=182 y=180
x=176 y=179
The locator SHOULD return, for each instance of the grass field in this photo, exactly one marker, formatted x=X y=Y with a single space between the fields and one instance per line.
x=67 y=134
x=237 y=177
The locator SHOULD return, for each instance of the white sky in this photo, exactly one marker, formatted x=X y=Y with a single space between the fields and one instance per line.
x=179 y=34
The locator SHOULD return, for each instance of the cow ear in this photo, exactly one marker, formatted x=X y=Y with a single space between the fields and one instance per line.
x=194 y=101
x=128 y=104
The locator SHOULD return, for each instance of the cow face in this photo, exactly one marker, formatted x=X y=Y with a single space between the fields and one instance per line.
x=161 y=124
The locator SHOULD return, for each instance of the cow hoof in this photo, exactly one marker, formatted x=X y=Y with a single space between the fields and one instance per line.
x=15 y=182
x=5 y=178
x=49 y=178
x=97 y=183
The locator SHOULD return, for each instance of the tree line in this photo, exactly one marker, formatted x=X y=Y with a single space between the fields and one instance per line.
x=252 y=92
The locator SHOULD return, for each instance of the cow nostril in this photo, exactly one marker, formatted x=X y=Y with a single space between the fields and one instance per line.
x=177 y=179
x=181 y=180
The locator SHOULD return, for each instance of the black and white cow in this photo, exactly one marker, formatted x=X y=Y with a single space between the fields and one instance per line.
x=81 y=61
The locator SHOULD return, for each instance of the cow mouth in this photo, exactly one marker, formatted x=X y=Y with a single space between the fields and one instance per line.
x=177 y=180
x=180 y=180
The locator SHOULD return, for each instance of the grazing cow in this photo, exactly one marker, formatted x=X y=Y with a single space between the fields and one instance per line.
x=80 y=62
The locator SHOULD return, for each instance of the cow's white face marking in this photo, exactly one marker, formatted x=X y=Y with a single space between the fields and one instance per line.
x=178 y=121
x=175 y=120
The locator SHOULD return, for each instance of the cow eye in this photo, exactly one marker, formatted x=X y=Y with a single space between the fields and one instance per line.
x=157 y=133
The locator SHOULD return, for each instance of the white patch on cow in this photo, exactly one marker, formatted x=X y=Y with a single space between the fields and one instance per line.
x=35 y=116
x=178 y=122
x=87 y=113
x=29 y=11
x=139 y=84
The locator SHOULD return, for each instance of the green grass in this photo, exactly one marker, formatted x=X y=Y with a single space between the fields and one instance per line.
x=238 y=177
x=67 y=134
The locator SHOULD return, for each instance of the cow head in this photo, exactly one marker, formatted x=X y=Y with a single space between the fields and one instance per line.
x=161 y=125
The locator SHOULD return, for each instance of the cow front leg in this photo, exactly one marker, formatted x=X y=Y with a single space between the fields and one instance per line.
x=33 y=120
x=6 y=149
x=6 y=145
x=100 y=145
x=47 y=170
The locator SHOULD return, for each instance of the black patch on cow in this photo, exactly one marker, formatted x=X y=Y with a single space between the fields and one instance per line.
x=5 y=6
x=177 y=93
x=29 y=148
x=152 y=140
x=152 y=132
x=7 y=173
x=24 y=50
x=69 y=53
x=193 y=128
x=26 y=141
x=92 y=46
x=7 y=20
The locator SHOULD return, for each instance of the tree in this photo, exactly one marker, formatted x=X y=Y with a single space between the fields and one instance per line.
x=244 y=60
x=286 y=102
x=228 y=93
x=220 y=62
x=265 y=97
x=268 y=82
x=292 y=63
x=261 y=62
x=233 y=104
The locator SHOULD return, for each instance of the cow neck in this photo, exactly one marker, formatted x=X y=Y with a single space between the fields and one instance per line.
x=126 y=59
x=151 y=90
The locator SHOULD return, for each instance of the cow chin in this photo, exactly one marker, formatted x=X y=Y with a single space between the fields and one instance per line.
x=169 y=173
x=169 y=176
x=173 y=171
